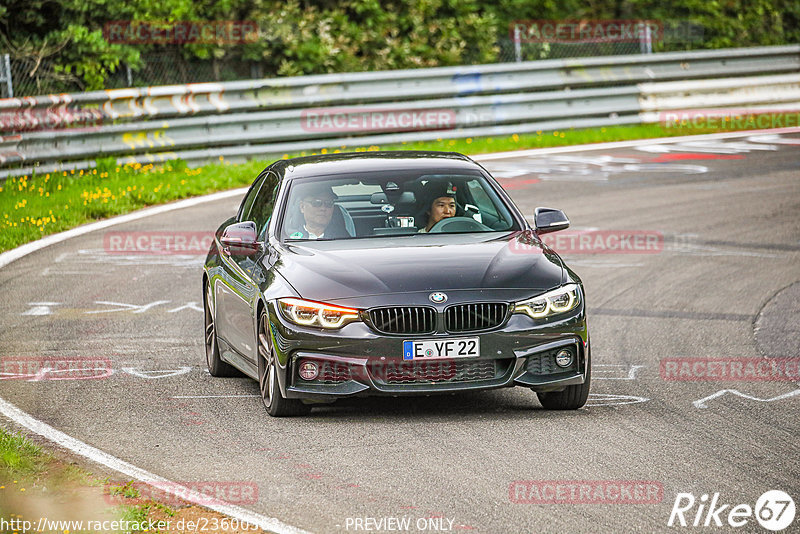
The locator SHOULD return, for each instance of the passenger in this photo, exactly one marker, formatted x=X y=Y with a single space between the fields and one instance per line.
x=441 y=204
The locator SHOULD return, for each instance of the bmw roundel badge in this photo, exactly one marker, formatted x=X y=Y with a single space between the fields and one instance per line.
x=438 y=298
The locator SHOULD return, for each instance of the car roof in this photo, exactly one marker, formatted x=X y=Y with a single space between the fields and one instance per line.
x=326 y=164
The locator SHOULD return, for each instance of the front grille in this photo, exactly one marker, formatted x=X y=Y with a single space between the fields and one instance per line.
x=434 y=371
x=404 y=320
x=471 y=317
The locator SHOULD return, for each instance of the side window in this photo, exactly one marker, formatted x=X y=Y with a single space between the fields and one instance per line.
x=264 y=203
x=247 y=203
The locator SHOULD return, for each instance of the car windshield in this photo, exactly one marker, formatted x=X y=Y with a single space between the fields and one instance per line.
x=375 y=204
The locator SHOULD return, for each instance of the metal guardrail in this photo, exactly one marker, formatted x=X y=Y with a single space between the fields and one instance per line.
x=263 y=118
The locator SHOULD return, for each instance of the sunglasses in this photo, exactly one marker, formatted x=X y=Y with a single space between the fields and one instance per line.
x=318 y=203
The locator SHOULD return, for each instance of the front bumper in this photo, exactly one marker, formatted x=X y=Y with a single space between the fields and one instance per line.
x=357 y=361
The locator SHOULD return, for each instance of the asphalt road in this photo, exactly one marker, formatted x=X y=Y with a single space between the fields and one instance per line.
x=724 y=284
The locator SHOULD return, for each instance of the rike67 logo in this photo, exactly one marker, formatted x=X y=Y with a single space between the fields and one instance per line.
x=774 y=510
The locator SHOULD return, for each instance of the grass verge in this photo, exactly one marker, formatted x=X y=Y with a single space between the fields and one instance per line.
x=36 y=486
x=35 y=206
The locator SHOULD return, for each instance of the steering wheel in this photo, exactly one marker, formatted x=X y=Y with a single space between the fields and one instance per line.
x=458 y=224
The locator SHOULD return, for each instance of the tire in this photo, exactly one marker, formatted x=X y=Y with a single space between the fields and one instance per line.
x=571 y=398
x=274 y=402
x=216 y=367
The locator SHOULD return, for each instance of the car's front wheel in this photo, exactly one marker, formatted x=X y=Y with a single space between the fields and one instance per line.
x=571 y=398
x=275 y=403
x=216 y=367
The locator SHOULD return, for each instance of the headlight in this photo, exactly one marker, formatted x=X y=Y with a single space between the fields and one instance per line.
x=557 y=301
x=307 y=313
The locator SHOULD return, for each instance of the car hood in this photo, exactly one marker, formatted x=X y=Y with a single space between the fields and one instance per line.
x=331 y=270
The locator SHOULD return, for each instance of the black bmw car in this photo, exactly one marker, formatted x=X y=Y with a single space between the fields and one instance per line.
x=391 y=273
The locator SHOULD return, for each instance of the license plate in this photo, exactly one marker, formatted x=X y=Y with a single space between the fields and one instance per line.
x=468 y=347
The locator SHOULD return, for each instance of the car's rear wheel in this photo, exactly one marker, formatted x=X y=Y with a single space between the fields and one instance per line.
x=275 y=403
x=216 y=367
x=571 y=398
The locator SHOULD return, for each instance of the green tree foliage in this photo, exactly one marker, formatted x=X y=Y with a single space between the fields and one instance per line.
x=317 y=36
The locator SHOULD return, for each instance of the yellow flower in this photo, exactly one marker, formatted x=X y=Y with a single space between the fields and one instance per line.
x=469 y=140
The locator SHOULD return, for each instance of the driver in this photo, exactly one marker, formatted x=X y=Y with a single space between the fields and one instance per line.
x=317 y=207
x=441 y=204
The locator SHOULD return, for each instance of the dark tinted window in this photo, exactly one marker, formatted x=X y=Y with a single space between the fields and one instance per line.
x=376 y=204
x=250 y=197
x=261 y=209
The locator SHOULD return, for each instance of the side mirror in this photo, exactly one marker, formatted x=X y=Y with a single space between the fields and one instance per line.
x=549 y=220
x=240 y=239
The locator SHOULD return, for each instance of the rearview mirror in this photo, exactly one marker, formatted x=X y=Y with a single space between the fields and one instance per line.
x=240 y=239
x=406 y=197
x=549 y=220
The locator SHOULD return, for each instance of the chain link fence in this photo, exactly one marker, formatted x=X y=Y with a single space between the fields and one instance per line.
x=29 y=77
x=513 y=50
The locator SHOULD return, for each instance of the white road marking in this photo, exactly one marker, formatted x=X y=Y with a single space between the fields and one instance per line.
x=129 y=470
x=41 y=308
x=156 y=374
x=774 y=139
x=583 y=168
x=623 y=371
x=627 y=144
x=702 y=403
x=607 y=399
x=133 y=308
x=710 y=147
x=188 y=306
